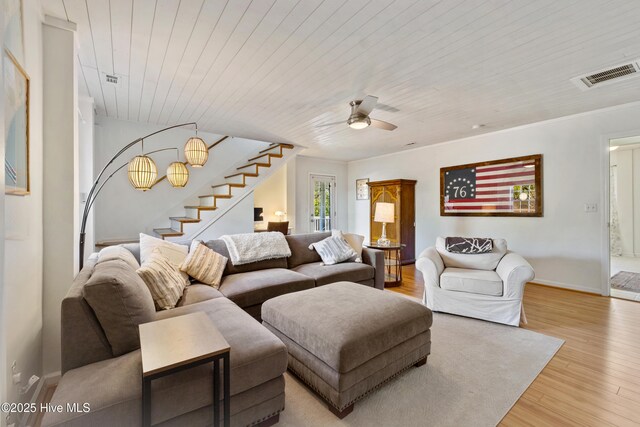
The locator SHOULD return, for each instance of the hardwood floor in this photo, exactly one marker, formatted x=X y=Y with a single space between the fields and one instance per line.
x=594 y=379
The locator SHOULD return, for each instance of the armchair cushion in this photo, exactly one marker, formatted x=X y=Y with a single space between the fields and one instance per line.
x=471 y=281
x=487 y=261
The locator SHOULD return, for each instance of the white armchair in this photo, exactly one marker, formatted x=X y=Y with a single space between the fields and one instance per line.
x=484 y=286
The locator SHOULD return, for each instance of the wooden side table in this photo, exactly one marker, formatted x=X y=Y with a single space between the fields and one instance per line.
x=392 y=263
x=178 y=343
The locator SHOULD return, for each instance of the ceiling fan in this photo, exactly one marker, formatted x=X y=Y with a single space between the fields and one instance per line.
x=359 y=118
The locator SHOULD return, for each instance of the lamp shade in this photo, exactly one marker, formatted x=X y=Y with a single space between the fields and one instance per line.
x=196 y=152
x=142 y=172
x=178 y=174
x=384 y=212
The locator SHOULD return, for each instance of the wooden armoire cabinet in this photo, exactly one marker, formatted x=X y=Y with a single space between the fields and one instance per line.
x=400 y=192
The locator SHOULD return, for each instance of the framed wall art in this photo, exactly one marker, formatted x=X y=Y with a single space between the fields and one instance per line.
x=16 y=122
x=506 y=187
x=362 y=189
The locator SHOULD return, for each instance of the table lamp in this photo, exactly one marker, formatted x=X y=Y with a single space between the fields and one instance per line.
x=280 y=215
x=384 y=214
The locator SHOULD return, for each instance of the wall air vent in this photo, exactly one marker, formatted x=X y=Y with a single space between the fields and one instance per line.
x=610 y=75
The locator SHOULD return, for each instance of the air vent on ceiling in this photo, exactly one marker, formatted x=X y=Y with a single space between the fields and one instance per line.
x=111 y=79
x=610 y=75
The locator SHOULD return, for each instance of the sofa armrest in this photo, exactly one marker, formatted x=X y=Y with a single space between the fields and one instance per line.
x=515 y=272
x=431 y=266
x=375 y=258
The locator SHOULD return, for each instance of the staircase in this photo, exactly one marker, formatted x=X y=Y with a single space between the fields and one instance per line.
x=211 y=202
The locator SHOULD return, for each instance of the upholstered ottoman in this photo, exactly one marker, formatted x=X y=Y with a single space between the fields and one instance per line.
x=345 y=340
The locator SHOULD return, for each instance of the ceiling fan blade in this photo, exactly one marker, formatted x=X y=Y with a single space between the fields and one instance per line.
x=382 y=124
x=367 y=105
x=341 y=122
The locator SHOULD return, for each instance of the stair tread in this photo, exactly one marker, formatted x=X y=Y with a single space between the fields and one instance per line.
x=230 y=185
x=259 y=164
x=279 y=156
x=167 y=232
x=222 y=196
x=281 y=146
x=242 y=173
x=184 y=219
x=202 y=208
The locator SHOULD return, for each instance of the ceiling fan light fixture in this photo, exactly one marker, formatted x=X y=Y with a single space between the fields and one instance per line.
x=358 y=122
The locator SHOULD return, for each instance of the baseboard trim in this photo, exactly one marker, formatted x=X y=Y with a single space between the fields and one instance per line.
x=567 y=286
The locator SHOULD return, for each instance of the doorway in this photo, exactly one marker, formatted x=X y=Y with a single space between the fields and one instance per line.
x=624 y=217
x=322 y=203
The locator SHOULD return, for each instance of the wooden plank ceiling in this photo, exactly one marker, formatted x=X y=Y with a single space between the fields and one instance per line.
x=276 y=69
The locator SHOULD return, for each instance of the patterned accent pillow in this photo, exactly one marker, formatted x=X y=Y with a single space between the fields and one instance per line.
x=333 y=250
x=174 y=252
x=469 y=245
x=204 y=264
x=163 y=279
x=354 y=240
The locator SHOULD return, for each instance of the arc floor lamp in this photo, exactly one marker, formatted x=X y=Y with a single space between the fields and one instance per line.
x=143 y=173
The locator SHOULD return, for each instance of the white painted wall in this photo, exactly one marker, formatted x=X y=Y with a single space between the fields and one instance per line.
x=4 y=321
x=298 y=190
x=237 y=220
x=565 y=245
x=122 y=212
x=61 y=180
x=271 y=195
x=85 y=156
x=22 y=241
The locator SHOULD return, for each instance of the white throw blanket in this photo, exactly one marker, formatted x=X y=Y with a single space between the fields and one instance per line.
x=253 y=247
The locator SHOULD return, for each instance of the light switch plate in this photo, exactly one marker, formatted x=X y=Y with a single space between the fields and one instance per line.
x=591 y=207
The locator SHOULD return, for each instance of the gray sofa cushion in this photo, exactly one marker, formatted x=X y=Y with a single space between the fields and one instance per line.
x=473 y=281
x=198 y=292
x=221 y=247
x=257 y=356
x=82 y=338
x=346 y=271
x=336 y=322
x=121 y=301
x=113 y=387
x=255 y=287
x=300 y=252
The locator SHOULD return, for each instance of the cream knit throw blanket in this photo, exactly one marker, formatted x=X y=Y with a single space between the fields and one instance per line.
x=253 y=247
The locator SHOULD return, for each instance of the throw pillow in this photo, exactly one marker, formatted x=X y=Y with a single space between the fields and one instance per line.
x=121 y=301
x=354 y=240
x=163 y=279
x=333 y=250
x=118 y=252
x=204 y=264
x=174 y=252
x=469 y=245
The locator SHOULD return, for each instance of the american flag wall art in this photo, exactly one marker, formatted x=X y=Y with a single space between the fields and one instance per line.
x=507 y=187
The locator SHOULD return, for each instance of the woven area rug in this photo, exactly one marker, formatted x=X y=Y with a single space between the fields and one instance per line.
x=626 y=281
x=476 y=372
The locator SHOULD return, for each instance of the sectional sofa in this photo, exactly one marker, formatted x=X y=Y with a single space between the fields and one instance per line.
x=101 y=362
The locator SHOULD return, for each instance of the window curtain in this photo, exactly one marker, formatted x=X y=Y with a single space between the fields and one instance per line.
x=615 y=239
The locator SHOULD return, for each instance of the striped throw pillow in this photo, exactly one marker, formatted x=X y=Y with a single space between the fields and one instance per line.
x=204 y=264
x=163 y=279
x=333 y=250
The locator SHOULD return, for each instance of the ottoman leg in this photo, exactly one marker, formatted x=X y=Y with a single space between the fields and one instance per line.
x=420 y=362
x=341 y=414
